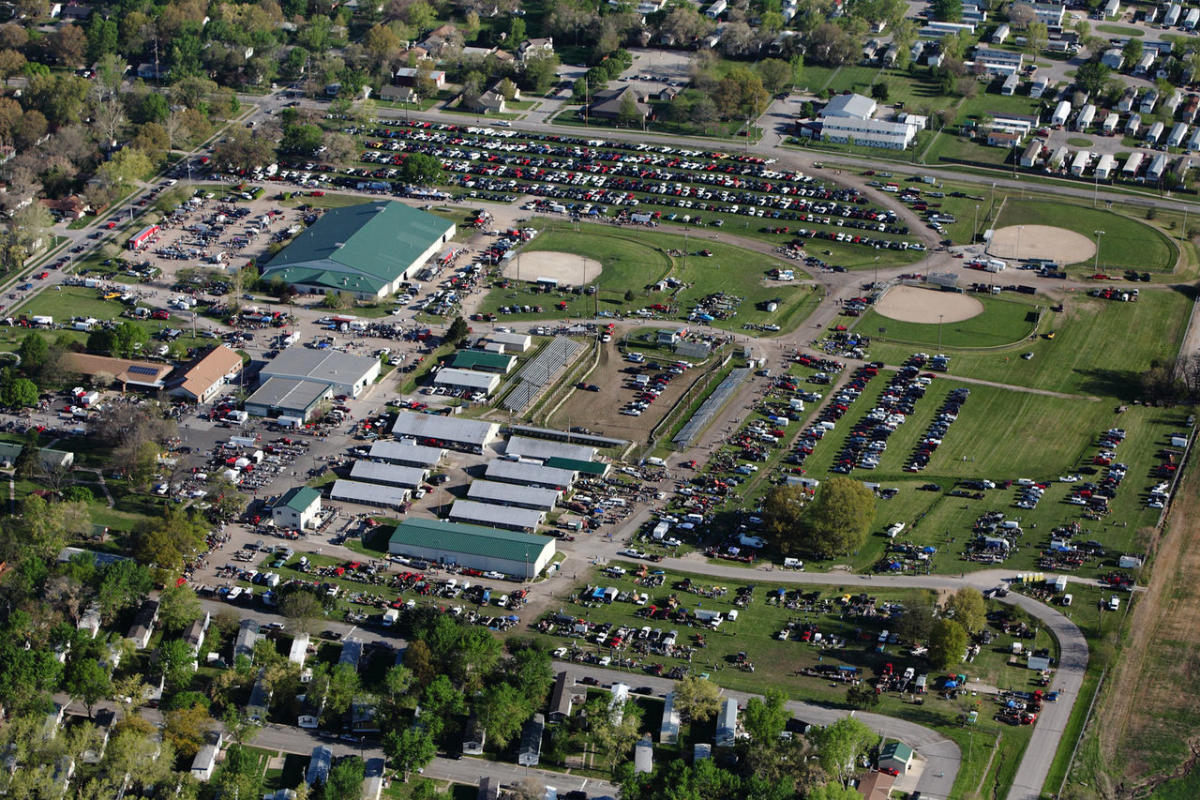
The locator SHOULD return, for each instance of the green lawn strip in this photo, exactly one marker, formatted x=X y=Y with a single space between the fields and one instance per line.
x=1126 y=243
x=1121 y=30
x=1003 y=322
x=635 y=259
x=1100 y=347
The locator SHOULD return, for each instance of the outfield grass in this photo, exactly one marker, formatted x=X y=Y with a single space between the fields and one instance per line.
x=635 y=259
x=1126 y=243
x=1100 y=347
x=1003 y=322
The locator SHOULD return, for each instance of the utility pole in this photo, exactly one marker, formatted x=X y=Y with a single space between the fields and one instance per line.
x=1096 y=266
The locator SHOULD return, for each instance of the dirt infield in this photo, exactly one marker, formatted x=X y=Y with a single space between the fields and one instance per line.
x=1041 y=241
x=912 y=304
x=566 y=268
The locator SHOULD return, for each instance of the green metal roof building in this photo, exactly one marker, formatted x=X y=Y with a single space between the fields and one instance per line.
x=509 y=552
x=365 y=250
x=597 y=468
x=297 y=508
x=483 y=361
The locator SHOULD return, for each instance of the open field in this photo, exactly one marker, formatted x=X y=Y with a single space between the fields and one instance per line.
x=633 y=260
x=1125 y=244
x=1001 y=321
x=1099 y=347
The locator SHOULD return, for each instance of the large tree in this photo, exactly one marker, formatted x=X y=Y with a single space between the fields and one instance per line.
x=409 y=749
x=697 y=698
x=502 y=712
x=834 y=523
x=947 y=642
x=968 y=609
x=842 y=744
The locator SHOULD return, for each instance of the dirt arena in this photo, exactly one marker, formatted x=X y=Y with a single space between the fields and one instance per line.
x=912 y=304
x=566 y=268
x=1041 y=241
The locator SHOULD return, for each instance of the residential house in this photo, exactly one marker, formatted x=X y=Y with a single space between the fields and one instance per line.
x=530 y=751
x=1002 y=139
x=194 y=635
x=318 y=765
x=609 y=103
x=398 y=94
x=474 y=737
x=143 y=624
x=247 y=637
x=564 y=696
x=408 y=76
x=205 y=760
x=490 y=102
x=727 y=723
x=535 y=48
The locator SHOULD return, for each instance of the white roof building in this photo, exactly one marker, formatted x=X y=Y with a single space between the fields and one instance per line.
x=529 y=474
x=470 y=379
x=346 y=374
x=854 y=106
x=389 y=474
x=369 y=494
x=507 y=517
x=507 y=494
x=438 y=430
x=868 y=132
x=543 y=449
x=406 y=452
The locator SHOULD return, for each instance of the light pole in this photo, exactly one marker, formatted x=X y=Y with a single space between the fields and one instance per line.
x=975 y=225
x=1096 y=266
x=1020 y=230
x=940 y=316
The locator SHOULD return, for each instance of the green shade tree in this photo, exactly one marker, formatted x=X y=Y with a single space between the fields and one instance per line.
x=947 y=642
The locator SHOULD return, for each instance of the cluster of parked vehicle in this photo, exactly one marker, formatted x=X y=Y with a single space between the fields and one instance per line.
x=648 y=388
x=868 y=439
x=832 y=412
x=932 y=439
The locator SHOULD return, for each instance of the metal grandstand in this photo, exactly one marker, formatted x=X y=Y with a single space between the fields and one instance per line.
x=539 y=372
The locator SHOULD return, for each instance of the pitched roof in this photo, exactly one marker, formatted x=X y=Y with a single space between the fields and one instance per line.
x=298 y=498
x=123 y=370
x=212 y=368
x=473 y=539
x=358 y=248
x=610 y=102
x=898 y=750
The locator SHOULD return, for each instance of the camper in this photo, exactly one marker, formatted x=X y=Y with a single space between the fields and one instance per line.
x=1111 y=120
x=1084 y=119
x=1104 y=167
x=1080 y=162
x=1178 y=133
x=1061 y=114
x=1039 y=86
x=1157 y=167
x=1133 y=125
x=1154 y=133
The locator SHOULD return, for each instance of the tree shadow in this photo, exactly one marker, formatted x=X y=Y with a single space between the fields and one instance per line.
x=1122 y=384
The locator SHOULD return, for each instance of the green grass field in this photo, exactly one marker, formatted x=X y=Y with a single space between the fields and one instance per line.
x=1003 y=322
x=1126 y=243
x=635 y=259
x=1100 y=347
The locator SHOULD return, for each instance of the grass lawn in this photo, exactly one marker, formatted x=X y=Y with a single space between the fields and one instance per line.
x=634 y=259
x=1126 y=243
x=1121 y=30
x=961 y=147
x=1002 y=322
x=1099 y=347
